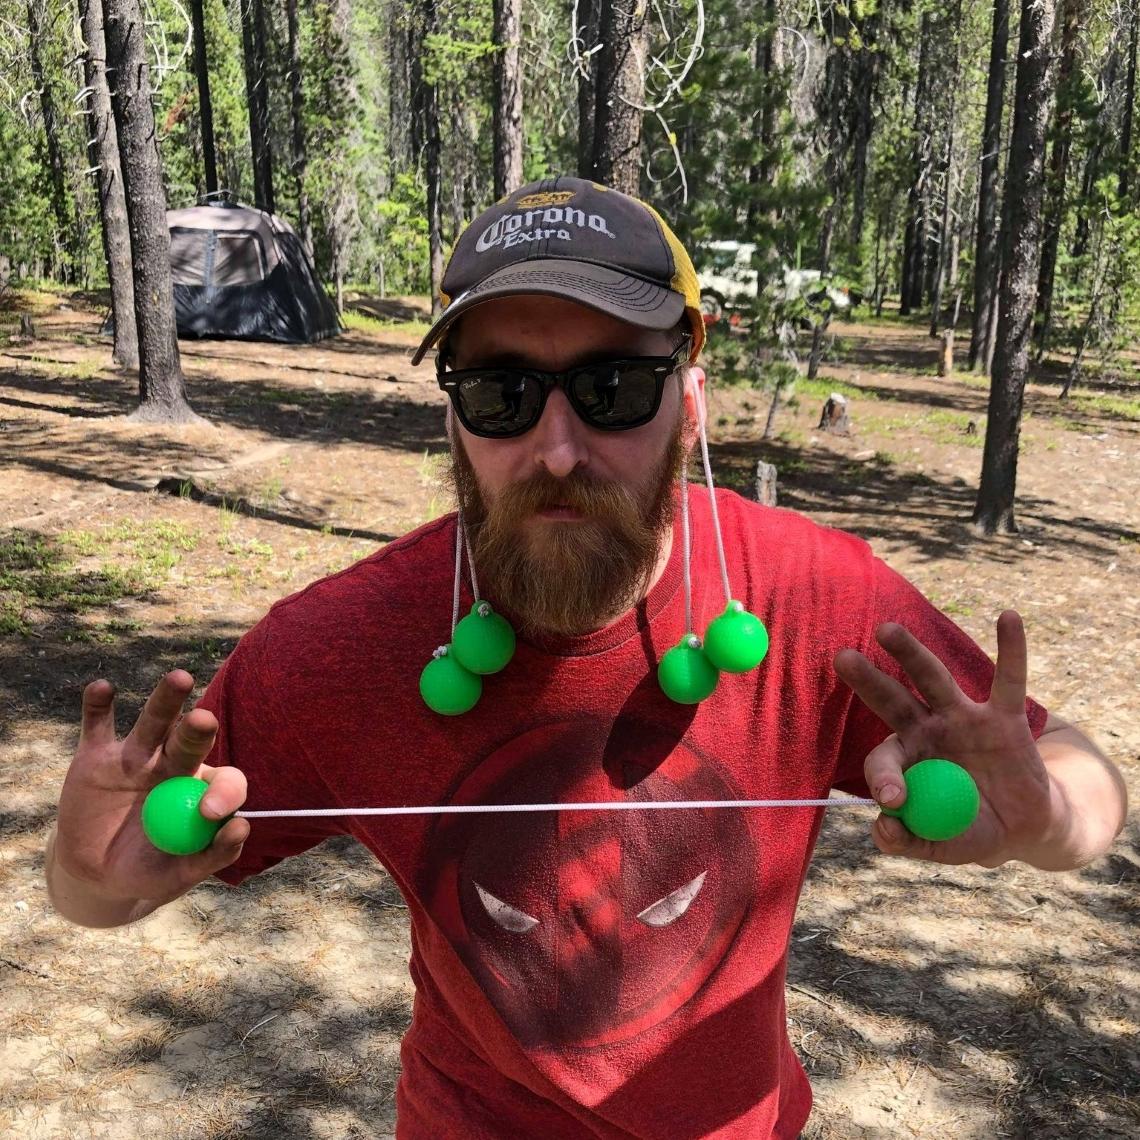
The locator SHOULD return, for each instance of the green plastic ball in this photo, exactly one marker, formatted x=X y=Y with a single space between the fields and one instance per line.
x=737 y=640
x=483 y=641
x=172 y=821
x=941 y=800
x=449 y=689
x=685 y=674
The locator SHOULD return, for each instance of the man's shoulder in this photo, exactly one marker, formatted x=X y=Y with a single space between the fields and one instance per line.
x=783 y=535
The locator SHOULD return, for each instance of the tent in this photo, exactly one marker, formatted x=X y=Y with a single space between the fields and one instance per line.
x=240 y=272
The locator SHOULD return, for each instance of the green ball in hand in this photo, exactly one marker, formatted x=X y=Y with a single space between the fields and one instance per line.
x=941 y=800
x=449 y=689
x=171 y=818
x=483 y=641
x=685 y=674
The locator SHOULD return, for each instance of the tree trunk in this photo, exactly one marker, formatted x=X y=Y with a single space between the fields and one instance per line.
x=1021 y=238
x=1124 y=183
x=400 y=110
x=588 y=14
x=428 y=99
x=915 y=234
x=508 y=109
x=986 y=263
x=865 y=85
x=945 y=239
x=620 y=90
x=104 y=151
x=67 y=224
x=257 y=93
x=762 y=170
x=205 y=105
x=162 y=389
x=297 y=109
x=1072 y=16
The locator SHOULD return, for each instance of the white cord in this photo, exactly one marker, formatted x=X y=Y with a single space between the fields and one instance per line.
x=470 y=555
x=686 y=547
x=620 y=805
x=458 y=570
x=712 y=498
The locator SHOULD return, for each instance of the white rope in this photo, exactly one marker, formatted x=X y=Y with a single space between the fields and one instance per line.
x=458 y=571
x=619 y=805
x=712 y=498
x=686 y=547
x=470 y=556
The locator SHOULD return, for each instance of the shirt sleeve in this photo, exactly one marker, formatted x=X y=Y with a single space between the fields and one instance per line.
x=895 y=599
x=255 y=735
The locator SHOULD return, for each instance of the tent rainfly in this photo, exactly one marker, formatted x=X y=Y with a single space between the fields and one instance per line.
x=242 y=273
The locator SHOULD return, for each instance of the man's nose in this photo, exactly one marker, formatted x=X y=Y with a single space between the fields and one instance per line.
x=559 y=437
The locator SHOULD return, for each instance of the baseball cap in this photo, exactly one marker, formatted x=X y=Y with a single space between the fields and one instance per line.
x=572 y=238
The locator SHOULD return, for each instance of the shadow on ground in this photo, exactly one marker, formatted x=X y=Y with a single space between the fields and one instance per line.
x=927 y=513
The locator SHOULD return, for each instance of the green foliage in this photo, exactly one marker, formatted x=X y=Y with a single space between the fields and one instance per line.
x=795 y=123
x=403 y=219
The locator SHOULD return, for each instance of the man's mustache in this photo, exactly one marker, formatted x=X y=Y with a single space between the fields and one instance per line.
x=583 y=493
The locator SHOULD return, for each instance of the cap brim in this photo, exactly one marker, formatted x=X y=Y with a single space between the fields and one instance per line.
x=597 y=287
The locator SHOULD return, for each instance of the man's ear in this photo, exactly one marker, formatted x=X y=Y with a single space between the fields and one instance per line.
x=693 y=395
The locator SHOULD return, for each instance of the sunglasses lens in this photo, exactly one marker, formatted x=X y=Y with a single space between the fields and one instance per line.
x=496 y=403
x=616 y=395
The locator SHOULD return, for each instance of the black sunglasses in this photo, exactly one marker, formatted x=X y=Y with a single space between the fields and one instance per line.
x=612 y=395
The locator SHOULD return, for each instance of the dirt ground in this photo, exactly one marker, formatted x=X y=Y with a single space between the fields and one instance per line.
x=924 y=1001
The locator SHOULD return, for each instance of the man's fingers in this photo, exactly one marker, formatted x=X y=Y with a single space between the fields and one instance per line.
x=1012 y=670
x=226 y=794
x=892 y=838
x=931 y=678
x=97 y=726
x=224 y=850
x=187 y=746
x=884 y=696
x=883 y=771
x=161 y=710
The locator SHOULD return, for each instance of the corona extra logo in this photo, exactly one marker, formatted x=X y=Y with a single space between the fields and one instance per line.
x=544 y=198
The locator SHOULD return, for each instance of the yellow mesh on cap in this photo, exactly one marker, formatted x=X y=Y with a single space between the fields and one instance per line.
x=684 y=280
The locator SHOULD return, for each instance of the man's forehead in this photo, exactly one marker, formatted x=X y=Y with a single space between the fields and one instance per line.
x=522 y=328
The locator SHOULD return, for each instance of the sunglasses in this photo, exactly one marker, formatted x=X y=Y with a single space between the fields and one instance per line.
x=612 y=395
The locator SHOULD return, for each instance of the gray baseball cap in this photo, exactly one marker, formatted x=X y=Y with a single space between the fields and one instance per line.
x=568 y=237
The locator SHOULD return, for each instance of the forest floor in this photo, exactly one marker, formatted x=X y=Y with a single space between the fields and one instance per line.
x=924 y=1001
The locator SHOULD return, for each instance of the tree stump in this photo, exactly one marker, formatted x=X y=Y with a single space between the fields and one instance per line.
x=766 y=483
x=834 y=414
x=946 y=356
x=27 y=328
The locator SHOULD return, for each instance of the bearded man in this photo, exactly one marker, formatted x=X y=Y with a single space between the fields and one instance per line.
x=610 y=974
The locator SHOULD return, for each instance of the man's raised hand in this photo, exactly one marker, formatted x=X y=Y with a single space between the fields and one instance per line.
x=100 y=864
x=991 y=740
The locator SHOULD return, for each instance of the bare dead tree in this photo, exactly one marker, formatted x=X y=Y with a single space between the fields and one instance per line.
x=1021 y=245
x=205 y=103
x=162 y=387
x=297 y=112
x=508 y=98
x=986 y=259
x=103 y=146
x=255 y=51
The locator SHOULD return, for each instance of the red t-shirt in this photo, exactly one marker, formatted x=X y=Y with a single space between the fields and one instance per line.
x=609 y=974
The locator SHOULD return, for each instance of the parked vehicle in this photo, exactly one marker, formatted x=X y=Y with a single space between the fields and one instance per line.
x=729 y=281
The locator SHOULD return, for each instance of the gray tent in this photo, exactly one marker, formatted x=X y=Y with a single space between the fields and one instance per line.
x=240 y=272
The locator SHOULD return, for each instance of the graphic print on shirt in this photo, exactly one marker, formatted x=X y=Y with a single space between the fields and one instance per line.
x=587 y=928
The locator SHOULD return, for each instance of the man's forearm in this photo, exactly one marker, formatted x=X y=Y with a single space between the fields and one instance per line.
x=1089 y=802
x=79 y=901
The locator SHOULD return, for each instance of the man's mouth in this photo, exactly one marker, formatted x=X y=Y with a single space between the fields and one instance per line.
x=559 y=512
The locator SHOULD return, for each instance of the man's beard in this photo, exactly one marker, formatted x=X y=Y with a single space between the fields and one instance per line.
x=567 y=578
